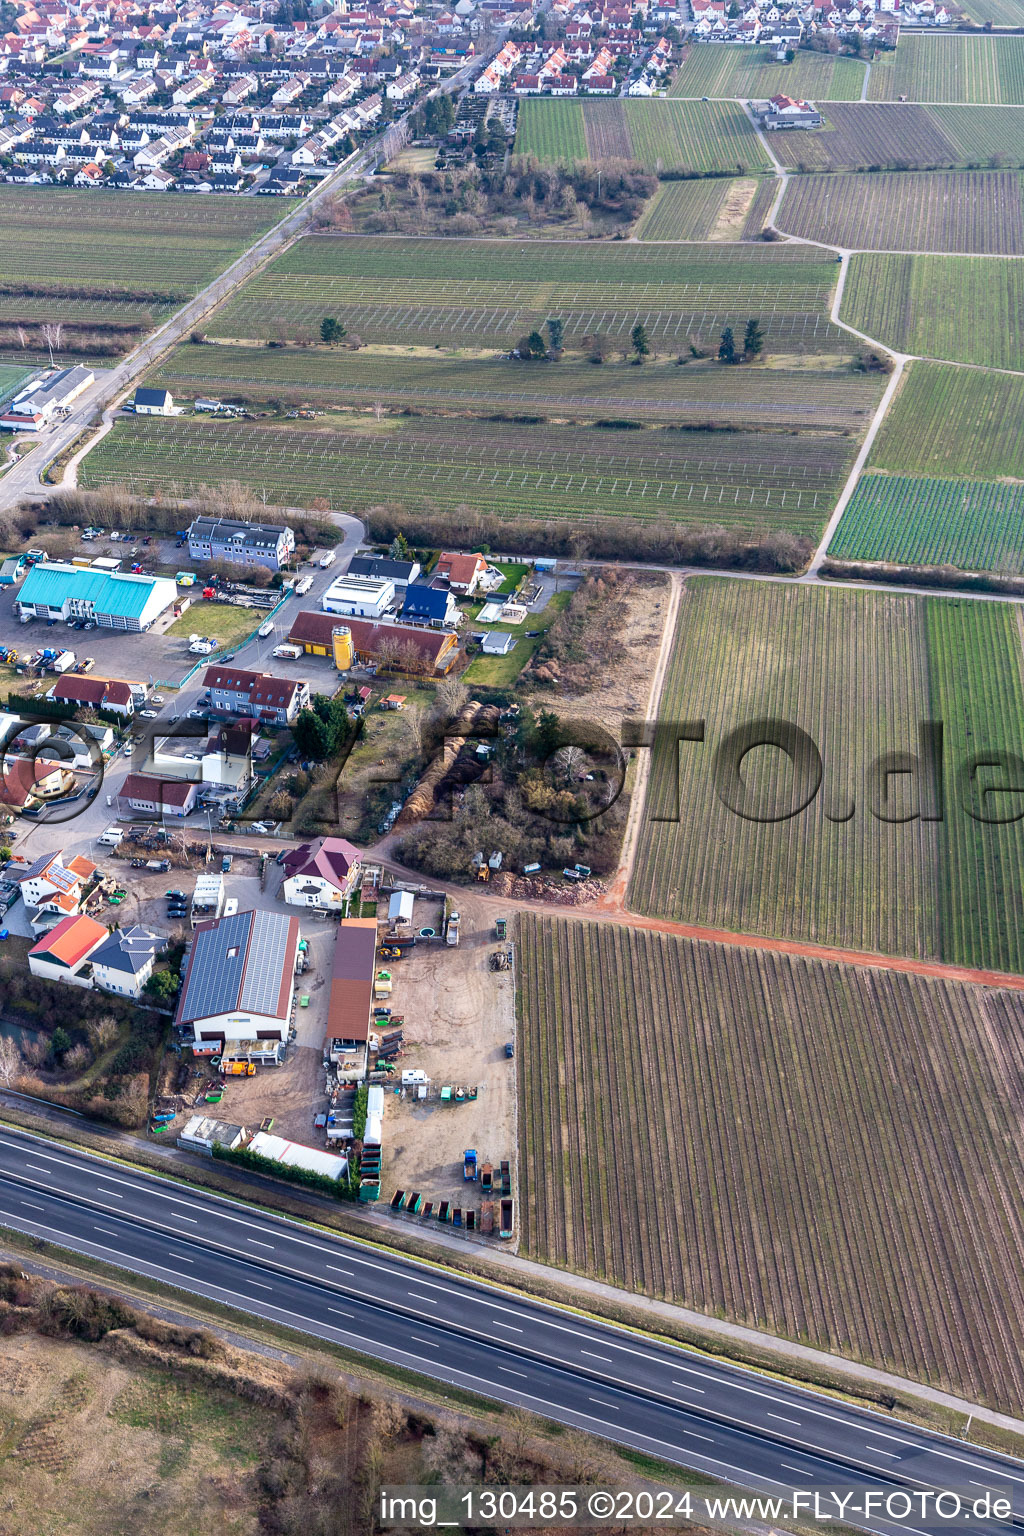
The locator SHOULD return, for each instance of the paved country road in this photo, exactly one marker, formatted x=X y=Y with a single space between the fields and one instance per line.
x=22 y=481
x=726 y=1422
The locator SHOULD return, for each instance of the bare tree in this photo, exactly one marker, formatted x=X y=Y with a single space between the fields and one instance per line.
x=22 y=336
x=53 y=333
x=10 y=1061
x=378 y=410
x=570 y=762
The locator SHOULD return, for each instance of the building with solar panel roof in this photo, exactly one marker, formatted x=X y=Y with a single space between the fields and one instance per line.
x=237 y=992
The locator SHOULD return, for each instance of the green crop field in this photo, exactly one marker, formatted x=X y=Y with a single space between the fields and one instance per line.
x=954 y=68
x=552 y=130
x=745 y=481
x=960 y=422
x=858 y=136
x=737 y=70
x=857 y=670
x=686 y=210
x=670 y=136
x=810 y=1149
x=974 y=525
x=956 y=211
x=11 y=376
x=965 y=309
x=661 y=391
x=89 y=258
x=486 y=294
x=1001 y=13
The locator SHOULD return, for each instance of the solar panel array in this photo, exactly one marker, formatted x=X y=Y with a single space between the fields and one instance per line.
x=267 y=958
x=215 y=979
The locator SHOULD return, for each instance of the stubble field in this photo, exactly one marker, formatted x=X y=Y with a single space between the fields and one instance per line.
x=824 y=1152
x=956 y=211
x=859 y=136
x=953 y=68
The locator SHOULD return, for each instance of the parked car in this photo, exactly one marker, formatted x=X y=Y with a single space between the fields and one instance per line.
x=148 y=714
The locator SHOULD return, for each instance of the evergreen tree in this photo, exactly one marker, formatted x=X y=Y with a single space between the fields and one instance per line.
x=331 y=331
x=638 y=337
x=556 y=331
x=727 y=347
x=753 y=338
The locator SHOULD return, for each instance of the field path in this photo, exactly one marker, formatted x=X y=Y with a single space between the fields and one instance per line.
x=610 y=909
x=614 y=898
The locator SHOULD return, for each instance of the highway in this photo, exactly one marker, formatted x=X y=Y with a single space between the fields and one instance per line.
x=729 y=1423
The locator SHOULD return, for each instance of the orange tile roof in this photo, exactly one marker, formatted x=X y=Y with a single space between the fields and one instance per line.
x=71 y=940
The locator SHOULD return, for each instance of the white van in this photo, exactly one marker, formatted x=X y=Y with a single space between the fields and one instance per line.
x=111 y=837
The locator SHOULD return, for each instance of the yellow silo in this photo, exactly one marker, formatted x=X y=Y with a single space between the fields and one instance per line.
x=344 y=651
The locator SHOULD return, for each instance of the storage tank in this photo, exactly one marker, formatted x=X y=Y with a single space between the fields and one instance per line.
x=344 y=650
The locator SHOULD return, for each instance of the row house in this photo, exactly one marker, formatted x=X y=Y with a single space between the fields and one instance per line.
x=136 y=91
x=285 y=125
x=291 y=90
x=77 y=98
x=239 y=89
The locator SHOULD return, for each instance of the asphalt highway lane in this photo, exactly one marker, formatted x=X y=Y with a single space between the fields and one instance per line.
x=732 y=1424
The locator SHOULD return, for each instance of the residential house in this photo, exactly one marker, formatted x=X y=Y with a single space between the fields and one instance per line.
x=153 y=402
x=430 y=605
x=322 y=874
x=108 y=693
x=466 y=574
x=64 y=953
x=273 y=701
x=32 y=781
x=51 y=889
x=241 y=543
x=400 y=572
x=124 y=962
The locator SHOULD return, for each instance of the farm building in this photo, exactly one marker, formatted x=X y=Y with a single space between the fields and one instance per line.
x=39 y=401
x=11 y=570
x=202 y=1133
x=351 y=996
x=153 y=402
x=401 y=905
x=786 y=112
x=112 y=599
x=239 y=981
x=294 y=1155
x=434 y=650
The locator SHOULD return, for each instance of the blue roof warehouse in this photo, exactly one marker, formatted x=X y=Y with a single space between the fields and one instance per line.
x=113 y=599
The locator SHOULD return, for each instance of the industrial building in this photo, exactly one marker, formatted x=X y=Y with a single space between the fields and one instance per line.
x=112 y=599
x=141 y=794
x=237 y=992
x=351 y=996
x=360 y=597
x=402 y=572
x=409 y=649
x=227 y=538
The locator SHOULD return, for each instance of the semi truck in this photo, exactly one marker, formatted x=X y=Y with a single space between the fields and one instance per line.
x=303 y=586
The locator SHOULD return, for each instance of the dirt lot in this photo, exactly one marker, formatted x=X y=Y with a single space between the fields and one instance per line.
x=90 y=1447
x=458 y=1016
x=623 y=689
